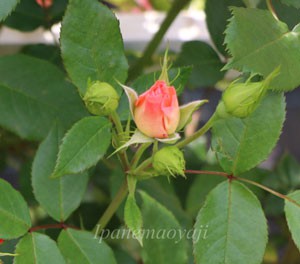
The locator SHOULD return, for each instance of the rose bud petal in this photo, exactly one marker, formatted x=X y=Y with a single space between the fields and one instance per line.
x=156 y=112
x=1 y=241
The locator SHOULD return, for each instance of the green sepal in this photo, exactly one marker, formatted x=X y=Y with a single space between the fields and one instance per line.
x=164 y=76
x=186 y=112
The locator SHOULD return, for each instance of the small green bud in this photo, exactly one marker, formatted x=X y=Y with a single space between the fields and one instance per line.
x=241 y=99
x=169 y=161
x=101 y=98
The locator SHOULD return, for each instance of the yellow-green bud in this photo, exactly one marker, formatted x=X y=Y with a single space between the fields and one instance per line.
x=169 y=161
x=101 y=98
x=241 y=99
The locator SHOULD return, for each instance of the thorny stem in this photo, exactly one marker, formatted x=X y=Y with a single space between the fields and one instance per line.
x=272 y=9
x=138 y=67
x=122 y=192
x=112 y=208
x=231 y=177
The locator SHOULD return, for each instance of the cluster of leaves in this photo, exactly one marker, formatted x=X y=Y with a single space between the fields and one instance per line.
x=38 y=103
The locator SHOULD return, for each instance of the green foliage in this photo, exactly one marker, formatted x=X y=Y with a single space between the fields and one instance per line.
x=39 y=249
x=91 y=44
x=246 y=27
x=159 y=221
x=44 y=52
x=292 y=213
x=81 y=247
x=161 y=190
x=286 y=14
x=29 y=15
x=14 y=214
x=37 y=94
x=83 y=146
x=8 y=246
x=39 y=103
x=198 y=191
x=205 y=61
x=217 y=14
x=294 y=3
x=236 y=227
x=133 y=218
x=251 y=3
x=59 y=197
x=6 y=7
x=241 y=144
x=123 y=257
x=286 y=175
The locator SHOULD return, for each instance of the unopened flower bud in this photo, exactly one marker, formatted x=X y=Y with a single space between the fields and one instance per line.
x=156 y=111
x=1 y=241
x=241 y=99
x=101 y=98
x=169 y=161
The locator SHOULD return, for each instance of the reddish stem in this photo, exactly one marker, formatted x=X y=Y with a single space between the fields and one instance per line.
x=231 y=177
x=224 y=174
x=52 y=226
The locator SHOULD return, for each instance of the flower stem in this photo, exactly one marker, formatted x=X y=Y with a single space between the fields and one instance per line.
x=272 y=9
x=138 y=154
x=224 y=174
x=112 y=208
x=120 y=133
x=138 y=67
x=144 y=165
x=122 y=192
x=198 y=133
x=116 y=120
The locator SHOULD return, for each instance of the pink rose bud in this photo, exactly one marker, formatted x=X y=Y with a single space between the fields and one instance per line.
x=156 y=112
x=44 y=3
